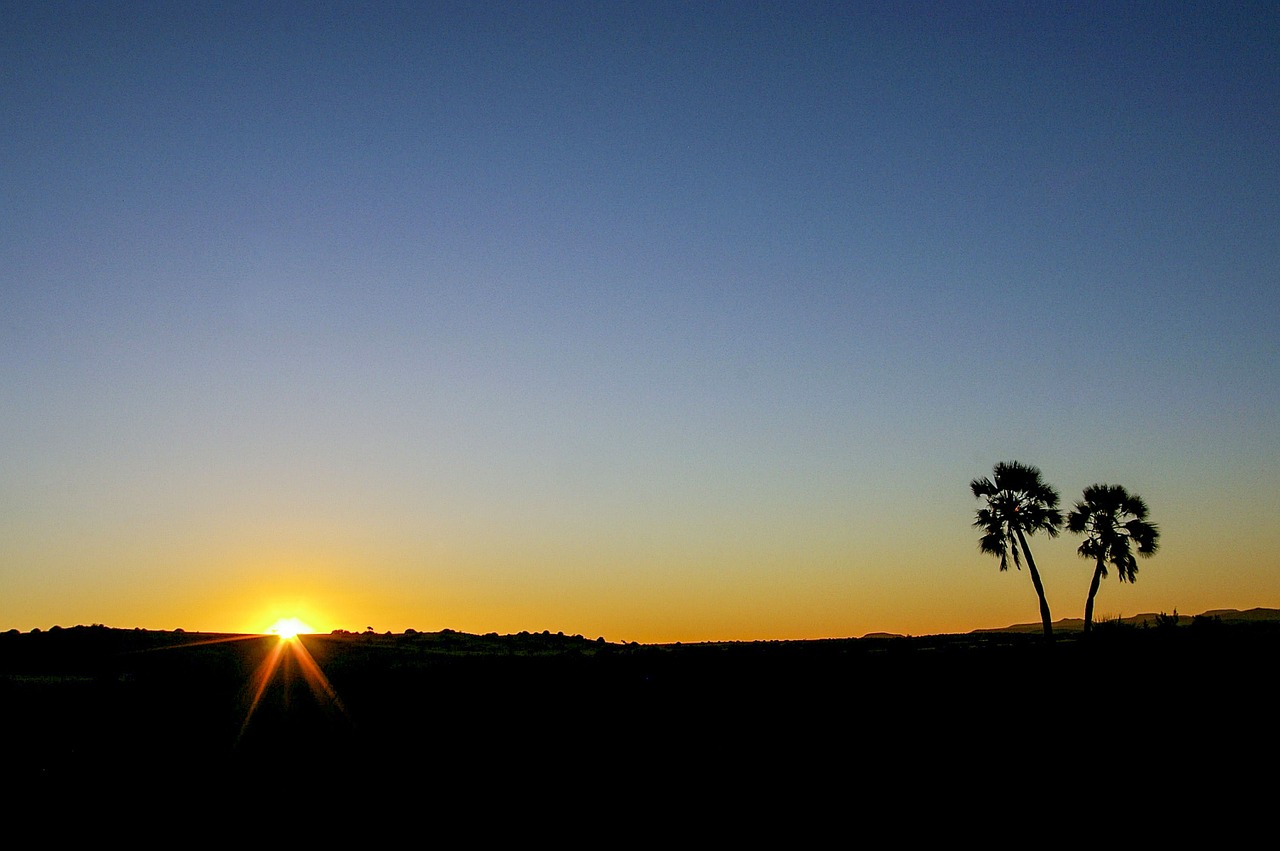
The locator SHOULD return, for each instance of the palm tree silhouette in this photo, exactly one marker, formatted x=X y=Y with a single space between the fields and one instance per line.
x=1111 y=519
x=1018 y=504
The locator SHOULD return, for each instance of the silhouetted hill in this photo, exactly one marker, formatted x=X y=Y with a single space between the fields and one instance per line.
x=1247 y=616
x=1148 y=619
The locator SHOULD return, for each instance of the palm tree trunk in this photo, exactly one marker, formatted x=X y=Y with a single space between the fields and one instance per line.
x=1045 y=618
x=1093 y=589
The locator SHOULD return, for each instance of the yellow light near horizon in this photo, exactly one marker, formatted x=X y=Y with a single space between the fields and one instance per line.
x=289 y=628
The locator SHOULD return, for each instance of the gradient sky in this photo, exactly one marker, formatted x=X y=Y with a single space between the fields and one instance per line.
x=651 y=321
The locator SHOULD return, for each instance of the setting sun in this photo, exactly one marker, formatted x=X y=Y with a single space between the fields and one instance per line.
x=289 y=628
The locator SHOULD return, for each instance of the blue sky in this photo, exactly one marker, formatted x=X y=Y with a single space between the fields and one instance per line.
x=661 y=321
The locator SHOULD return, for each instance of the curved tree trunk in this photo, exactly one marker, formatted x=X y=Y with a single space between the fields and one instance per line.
x=1045 y=618
x=1093 y=589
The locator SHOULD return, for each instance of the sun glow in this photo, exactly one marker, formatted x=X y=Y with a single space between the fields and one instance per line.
x=289 y=628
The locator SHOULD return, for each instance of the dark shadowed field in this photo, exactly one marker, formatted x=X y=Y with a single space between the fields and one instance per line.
x=462 y=719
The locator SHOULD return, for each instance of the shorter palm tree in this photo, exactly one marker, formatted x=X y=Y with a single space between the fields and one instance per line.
x=1114 y=523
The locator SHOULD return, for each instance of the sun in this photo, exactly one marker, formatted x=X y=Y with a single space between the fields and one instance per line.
x=289 y=628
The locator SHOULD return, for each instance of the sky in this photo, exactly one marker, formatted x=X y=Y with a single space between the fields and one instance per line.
x=648 y=321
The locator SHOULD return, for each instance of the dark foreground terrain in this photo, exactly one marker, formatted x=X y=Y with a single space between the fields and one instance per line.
x=1124 y=719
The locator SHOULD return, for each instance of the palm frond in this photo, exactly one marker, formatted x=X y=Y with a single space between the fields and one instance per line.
x=1111 y=519
x=982 y=487
x=1016 y=499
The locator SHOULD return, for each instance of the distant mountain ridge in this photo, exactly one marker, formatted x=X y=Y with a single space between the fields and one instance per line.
x=1149 y=618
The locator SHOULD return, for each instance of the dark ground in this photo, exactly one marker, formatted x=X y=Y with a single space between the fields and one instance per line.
x=1144 y=716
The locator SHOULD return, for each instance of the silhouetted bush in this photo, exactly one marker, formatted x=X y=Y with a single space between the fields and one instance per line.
x=1113 y=626
x=1205 y=623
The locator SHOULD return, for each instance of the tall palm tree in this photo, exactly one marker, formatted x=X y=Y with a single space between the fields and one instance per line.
x=1018 y=504
x=1112 y=521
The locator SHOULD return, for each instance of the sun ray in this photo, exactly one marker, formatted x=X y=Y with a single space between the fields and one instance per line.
x=315 y=678
x=262 y=677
